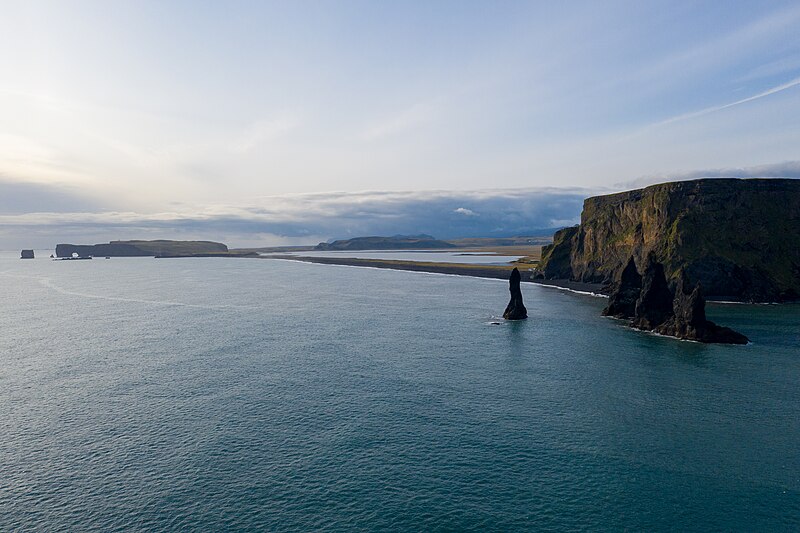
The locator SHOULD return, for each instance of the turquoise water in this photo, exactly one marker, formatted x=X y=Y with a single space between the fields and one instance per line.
x=219 y=394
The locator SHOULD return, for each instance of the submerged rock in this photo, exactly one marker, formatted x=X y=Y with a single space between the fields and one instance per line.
x=515 y=309
x=654 y=306
x=689 y=318
x=626 y=291
x=26 y=254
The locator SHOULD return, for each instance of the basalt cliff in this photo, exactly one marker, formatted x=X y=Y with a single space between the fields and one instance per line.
x=738 y=238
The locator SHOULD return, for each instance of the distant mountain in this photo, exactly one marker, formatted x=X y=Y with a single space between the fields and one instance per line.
x=739 y=238
x=482 y=242
x=398 y=242
x=140 y=248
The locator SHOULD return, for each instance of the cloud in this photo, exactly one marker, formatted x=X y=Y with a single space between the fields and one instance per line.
x=686 y=116
x=311 y=218
x=718 y=50
x=18 y=197
x=786 y=169
x=779 y=66
x=38 y=215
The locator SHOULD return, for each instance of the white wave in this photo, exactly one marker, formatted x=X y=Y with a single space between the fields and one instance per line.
x=576 y=291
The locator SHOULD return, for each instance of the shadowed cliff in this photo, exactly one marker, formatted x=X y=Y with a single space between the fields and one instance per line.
x=739 y=238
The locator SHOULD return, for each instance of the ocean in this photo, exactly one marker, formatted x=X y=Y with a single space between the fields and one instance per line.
x=245 y=394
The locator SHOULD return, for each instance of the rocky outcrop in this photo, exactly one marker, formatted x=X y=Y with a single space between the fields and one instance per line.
x=140 y=248
x=515 y=310
x=680 y=313
x=26 y=254
x=739 y=238
x=689 y=318
x=626 y=290
x=654 y=305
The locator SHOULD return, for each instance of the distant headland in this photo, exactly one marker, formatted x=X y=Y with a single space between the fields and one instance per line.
x=397 y=242
x=157 y=248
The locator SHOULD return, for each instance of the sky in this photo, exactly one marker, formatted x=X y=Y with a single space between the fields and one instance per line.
x=262 y=123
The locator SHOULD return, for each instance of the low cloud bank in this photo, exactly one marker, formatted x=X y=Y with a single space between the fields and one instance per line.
x=41 y=216
x=311 y=218
x=787 y=169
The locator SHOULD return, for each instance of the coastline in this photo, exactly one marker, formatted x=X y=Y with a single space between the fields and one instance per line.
x=456 y=269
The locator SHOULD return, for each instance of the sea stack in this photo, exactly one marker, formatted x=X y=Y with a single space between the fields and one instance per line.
x=652 y=306
x=515 y=309
x=689 y=318
x=26 y=254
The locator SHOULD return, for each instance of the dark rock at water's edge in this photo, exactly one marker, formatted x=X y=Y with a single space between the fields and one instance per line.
x=626 y=290
x=689 y=318
x=26 y=254
x=739 y=238
x=656 y=308
x=140 y=248
x=515 y=310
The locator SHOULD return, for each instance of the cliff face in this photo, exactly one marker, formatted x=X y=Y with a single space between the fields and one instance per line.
x=739 y=238
x=556 y=260
x=139 y=248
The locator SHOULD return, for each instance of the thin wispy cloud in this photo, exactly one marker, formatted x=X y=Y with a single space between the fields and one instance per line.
x=712 y=50
x=780 y=66
x=713 y=109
